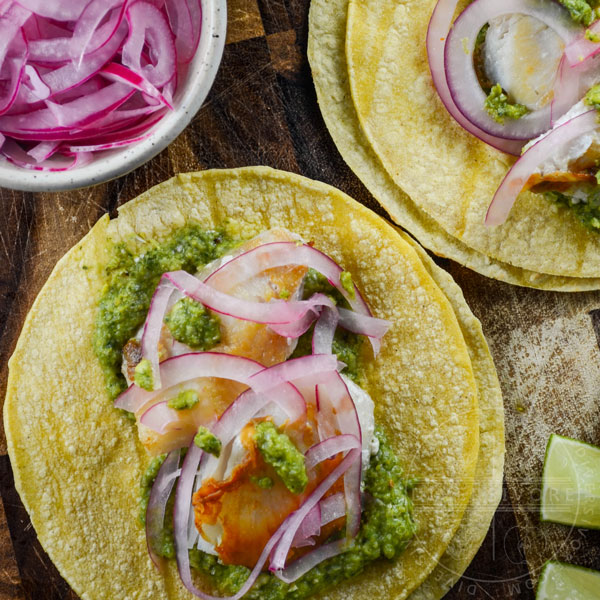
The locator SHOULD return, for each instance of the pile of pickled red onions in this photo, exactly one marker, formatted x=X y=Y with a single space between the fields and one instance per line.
x=282 y=391
x=81 y=76
x=450 y=46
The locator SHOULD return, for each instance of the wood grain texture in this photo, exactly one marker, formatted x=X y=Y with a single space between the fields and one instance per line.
x=263 y=110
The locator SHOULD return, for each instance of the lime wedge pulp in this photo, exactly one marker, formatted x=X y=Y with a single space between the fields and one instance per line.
x=571 y=483
x=560 y=581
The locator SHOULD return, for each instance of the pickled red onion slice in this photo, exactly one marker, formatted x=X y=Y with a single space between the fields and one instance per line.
x=332 y=508
x=324 y=332
x=160 y=417
x=72 y=75
x=157 y=503
x=43 y=151
x=59 y=49
x=108 y=145
x=117 y=72
x=310 y=527
x=271 y=313
x=185 y=17
x=186 y=367
x=57 y=11
x=152 y=329
x=34 y=82
x=16 y=155
x=148 y=23
x=566 y=91
x=437 y=33
x=304 y=564
x=581 y=49
x=295 y=329
x=329 y=509
x=87 y=24
x=313 y=365
x=281 y=254
x=337 y=406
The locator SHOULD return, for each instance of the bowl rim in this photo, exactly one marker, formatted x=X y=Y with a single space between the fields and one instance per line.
x=116 y=163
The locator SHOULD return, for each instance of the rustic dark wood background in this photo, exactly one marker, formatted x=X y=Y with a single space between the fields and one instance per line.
x=263 y=110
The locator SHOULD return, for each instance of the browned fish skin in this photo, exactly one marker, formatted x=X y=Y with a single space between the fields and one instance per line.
x=132 y=354
x=581 y=170
x=556 y=182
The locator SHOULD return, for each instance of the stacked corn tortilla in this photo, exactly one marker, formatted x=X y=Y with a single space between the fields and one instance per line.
x=77 y=461
x=369 y=64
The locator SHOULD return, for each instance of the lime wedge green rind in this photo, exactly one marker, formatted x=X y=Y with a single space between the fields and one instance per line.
x=561 y=581
x=571 y=483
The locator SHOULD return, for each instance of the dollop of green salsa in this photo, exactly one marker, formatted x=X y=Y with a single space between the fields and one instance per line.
x=592 y=36
x=265 y=483
x=143 y=376
x=208 y=442
x=132 y=276
x=278 y=450
x=184 y=400
x=315 y=283
x=581 y=11
x=592 y=98
x=193 y=324
x=347 y=283
x=586 y=209
x=499 y=108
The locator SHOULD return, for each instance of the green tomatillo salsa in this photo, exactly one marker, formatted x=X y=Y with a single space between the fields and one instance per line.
x=194 y=325
x=132 y=277
x=499 y=108
x=279 y=451
x=207 y=441
x=586 y=209
x=581 y=11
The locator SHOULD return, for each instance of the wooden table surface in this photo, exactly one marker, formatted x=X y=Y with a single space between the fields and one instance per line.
x=262 y=110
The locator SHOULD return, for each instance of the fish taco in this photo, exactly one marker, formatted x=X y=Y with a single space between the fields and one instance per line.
x=248 y=385
x=450 y=111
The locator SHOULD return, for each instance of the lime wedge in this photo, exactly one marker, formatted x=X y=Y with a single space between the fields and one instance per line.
x=571 y=483
x=560 y=581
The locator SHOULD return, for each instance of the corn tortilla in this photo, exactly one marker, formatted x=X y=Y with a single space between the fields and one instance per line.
x=77 y=461
x=487 y=488
x=326 y=51
x=447 y=172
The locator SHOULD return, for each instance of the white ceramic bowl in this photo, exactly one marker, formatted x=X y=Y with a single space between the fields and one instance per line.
x=189 y=97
